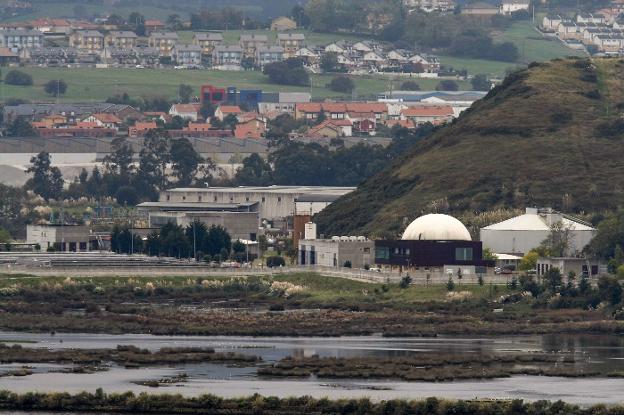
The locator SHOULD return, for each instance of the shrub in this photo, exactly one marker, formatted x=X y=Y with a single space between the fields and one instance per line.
x=447 y=85
x=450 y=285
x=405 y=281
x=410 y=86
x=275 y=261
x=342 y=84
x=55 y=87
x=20 y=78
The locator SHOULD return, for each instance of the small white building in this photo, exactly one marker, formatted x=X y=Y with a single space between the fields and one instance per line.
x=579 y=266
x=61 y=238
x=523 y=233
x=340 y=251
x=187 y=111
x=512 y=6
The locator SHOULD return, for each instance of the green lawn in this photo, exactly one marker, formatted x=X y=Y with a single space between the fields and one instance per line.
x=532 y=45
x=92 y=85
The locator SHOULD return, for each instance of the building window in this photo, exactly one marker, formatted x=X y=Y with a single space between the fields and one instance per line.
x=279 y=199
x=199 y=198
x=463 y=254
x=183 y=197
x=263 y=199
x=168 y=198
x=215 y=199
x=382 y=252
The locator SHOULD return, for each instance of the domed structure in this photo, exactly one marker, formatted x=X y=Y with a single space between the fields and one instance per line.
x=436 y=227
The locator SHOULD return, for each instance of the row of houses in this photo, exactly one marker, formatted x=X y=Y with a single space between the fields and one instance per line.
x=505 y=7
x=596 y=31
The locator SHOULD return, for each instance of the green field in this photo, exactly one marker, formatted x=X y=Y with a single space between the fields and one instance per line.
x=93 y=85
x=532 y=45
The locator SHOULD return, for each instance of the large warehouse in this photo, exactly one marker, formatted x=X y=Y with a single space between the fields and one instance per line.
x=433 y=241
x=519 y=235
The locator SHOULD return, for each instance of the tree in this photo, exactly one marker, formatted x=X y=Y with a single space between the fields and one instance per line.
x=217 y=239
x=447 y=85
x=197 y=233
x=254 y=172
x=21 y=128
x=5 y=236
x=553 y=279
x=153 y=159
x=480 y=83
x=127 y=196
x=174 y=22
x=19 y=78
x=405 y=282
x=410 y=86
x=529 y=260
x=185 y=92
x=288 y=72
x=173 y=241
x=329 y=62
x=559 y=239
x=47 y=181
x=119 y=161
x=610 y=289
x=450 y=284
x=342 y=84
x=55 y=88
x=275 y=262
x=299 y=15
x=185 y=161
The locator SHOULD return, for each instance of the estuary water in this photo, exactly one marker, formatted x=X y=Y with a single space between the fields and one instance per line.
x=589 y=352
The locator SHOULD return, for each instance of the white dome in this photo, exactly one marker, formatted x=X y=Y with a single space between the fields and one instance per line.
x=436 y=227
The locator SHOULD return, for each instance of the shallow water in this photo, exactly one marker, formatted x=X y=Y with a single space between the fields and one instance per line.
x=589 y=352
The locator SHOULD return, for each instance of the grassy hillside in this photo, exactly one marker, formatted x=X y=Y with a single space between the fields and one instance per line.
x=89 y=84
x=550 y=135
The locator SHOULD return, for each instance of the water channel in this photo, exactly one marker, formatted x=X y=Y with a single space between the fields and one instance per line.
x=591 y=352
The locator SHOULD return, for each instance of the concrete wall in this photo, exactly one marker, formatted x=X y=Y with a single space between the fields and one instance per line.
x=69 y=237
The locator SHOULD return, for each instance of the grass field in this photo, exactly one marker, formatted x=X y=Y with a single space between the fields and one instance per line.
x=91 y=85
x=533 y=47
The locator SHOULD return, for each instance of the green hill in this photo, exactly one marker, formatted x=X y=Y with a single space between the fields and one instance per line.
x=550 y=135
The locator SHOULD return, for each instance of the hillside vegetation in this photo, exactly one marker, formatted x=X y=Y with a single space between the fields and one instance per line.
x=550 y=135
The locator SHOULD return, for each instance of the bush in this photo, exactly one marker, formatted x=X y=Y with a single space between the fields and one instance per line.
x=20 y=78
x=405 y=281
x=127 y=196
x=288 y=72
x=447 y=85
x=450 y=285
x=275 y=261
x=342 y=84
x=55 y=88
x=410 y=86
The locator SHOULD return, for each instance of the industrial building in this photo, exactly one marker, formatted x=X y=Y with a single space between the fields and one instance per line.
x=579 y=266
x=519 y=235
x=274 y=202
x=357 y=252
x=241 y=220
x=62 y=238
x=435 y=242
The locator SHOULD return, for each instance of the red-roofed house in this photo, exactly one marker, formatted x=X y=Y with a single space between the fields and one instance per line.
x=253 y=128
x=153 y=25
x=104 y=120
x=141 y=128
x=339 y=111
x=186 y=111
x=435 y=114
x=332 y=129
x=225 y=110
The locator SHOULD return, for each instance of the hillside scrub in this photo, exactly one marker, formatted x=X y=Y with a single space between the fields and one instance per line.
x=543 y=130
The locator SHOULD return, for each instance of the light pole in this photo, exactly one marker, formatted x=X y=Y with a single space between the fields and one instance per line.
x=194 y=242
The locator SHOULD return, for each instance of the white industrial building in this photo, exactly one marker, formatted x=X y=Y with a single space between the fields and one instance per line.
x=274 y=202
x=335 y=252
x=519 y=235
x=63 y=238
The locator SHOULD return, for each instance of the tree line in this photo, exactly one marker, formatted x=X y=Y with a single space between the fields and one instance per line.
x=163 y=163
x=196 y=240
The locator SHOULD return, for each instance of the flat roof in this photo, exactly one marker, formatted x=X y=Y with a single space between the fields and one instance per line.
x=270 y=189
x=214 y=207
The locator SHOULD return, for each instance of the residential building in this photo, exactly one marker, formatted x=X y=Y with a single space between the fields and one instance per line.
x=207 y=41
x=291 y=42
x=523 y=233
x=91 y=40
x=104 y=120
x=308 y=55
x=430 y=5
x=139 y=129
x=512 y=6
x=550 y=22
x=8 y=57
x=223 y=111
x=336 y=111
x=186 y=111
x=227 y=56
x=250 y=43
x=153 y=25
x=254 y=128
x=332 y=129
x=18 y=40
x=429 y=63
x=433 y=114
x=590 y=18
x=269 y=54
x=187 y=54
x=121 y=39
x=165 y=42
x=283 y=23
